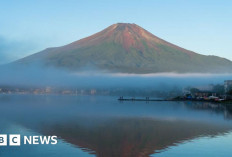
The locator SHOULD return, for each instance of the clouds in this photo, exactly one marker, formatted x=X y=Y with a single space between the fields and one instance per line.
x=36 y=75
x=11 y=50
x=4 y=48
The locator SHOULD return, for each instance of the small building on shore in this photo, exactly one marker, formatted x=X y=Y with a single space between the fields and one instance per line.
x=205 y=94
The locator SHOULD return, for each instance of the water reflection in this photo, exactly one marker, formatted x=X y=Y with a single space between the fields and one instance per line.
x=133 y=137
x=210 y=107
x=105 y=127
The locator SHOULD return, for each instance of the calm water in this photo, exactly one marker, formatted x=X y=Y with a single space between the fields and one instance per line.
x=104 y=127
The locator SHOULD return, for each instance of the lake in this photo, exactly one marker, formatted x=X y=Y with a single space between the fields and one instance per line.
x=105 y=127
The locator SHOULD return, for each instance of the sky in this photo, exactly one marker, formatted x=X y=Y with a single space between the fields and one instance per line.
x=29 y=26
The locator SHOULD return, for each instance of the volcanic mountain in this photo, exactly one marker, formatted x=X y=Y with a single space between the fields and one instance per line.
x=128 y=48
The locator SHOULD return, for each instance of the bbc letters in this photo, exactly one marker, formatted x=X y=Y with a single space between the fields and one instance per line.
x=16 y=140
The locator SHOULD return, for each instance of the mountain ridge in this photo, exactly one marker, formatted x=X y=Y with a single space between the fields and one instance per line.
x=129 y=48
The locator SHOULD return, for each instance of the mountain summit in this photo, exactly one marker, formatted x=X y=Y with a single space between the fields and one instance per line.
x=128 y=48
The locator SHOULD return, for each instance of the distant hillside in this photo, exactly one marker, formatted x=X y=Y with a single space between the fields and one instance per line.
x=128 y=48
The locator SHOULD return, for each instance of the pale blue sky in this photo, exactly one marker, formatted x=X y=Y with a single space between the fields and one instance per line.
x=28 y=26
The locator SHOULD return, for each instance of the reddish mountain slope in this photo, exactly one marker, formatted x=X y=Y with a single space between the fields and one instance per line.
x=129 y=48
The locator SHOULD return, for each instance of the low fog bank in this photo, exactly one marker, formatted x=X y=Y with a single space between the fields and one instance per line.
x=40 y=76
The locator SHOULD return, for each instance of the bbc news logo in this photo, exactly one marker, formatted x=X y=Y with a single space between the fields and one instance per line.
x=15 y=140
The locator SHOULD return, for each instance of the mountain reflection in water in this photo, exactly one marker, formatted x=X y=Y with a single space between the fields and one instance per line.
x=133 y=137
x=107 y=128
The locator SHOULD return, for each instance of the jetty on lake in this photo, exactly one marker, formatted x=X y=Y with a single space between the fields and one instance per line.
x=140 y=99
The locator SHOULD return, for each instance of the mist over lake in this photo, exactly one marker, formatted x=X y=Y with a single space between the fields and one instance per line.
x=37 y=75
